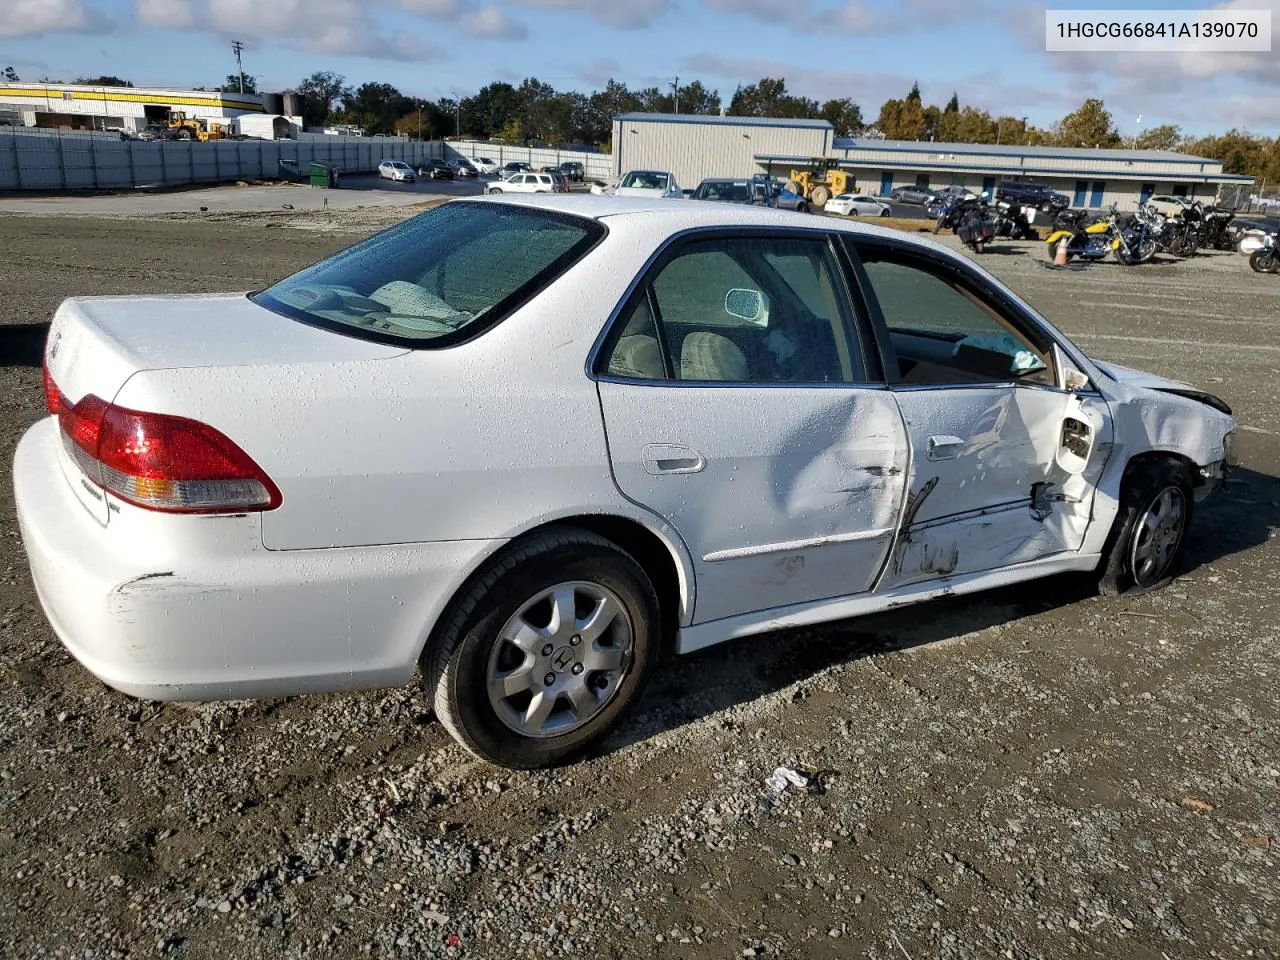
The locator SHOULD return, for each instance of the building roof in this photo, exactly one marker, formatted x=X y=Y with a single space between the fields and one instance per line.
x=1013 y=150
x=730 y=121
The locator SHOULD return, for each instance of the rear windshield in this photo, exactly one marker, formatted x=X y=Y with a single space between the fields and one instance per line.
x=444 y=276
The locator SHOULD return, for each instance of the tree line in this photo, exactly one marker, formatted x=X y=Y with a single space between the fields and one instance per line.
x=534 y=112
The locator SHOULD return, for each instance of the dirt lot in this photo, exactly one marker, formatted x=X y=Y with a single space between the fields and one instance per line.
x=1035 y=772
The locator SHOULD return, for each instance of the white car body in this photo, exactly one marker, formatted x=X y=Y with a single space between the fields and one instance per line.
x=524 y=183
x=605 y=188
x=857 y=205
x=396 y=170
x=401 y=471
x=486 y=166
x=1169 y=206
x=649 y=183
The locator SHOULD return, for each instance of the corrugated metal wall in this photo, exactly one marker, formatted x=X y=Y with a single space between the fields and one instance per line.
x=598 y=166
x=35 y=159
x=695 y=151
x=889 y=157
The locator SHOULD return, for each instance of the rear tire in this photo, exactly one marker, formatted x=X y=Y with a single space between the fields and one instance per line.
x=1156 y=504
x=491 y=693
x=820 y=196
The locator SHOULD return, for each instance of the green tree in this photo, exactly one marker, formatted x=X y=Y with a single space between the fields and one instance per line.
x=1164 y=137
x=768 y=97
x=915 y=93
x=375 y=107
x=107 y=80
x=492 y=107
x=902 y=119
x=844 y=115
x=232 y=84
x=11 y=75
x=321 y=92
x=1089 y=126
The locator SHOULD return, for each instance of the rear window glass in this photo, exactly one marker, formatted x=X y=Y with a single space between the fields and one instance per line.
x=443 y=276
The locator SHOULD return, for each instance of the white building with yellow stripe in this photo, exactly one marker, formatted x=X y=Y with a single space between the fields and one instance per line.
x=78 y=107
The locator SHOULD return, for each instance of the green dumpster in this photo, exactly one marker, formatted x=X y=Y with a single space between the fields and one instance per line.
x=323 y=175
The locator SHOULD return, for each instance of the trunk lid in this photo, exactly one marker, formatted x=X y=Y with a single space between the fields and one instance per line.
x=96 y=344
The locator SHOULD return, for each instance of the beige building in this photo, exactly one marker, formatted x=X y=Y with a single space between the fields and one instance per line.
x=695 y=147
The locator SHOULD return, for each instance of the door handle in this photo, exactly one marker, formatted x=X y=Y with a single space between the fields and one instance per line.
x=943 y=448
x=663 y=458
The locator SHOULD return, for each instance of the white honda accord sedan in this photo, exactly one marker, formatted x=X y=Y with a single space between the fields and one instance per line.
x=524 y=445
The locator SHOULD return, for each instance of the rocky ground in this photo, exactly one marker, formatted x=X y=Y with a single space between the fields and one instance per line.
x=1033 y=772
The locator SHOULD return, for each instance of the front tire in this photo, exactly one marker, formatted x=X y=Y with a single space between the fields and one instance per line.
x=1156 y=503
x=1264 y=261
x=545 y=651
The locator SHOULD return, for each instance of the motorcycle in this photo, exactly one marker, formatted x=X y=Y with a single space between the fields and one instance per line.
x=1216 y=228
x=967 y=216
x=1266 y=259
x=1183 y=233
x=1129 y=241
x=1013 y=222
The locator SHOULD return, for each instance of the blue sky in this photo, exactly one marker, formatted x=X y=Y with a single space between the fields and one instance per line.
x=989 y=51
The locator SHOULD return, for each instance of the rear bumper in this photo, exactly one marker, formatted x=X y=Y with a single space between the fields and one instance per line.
x=194 y=608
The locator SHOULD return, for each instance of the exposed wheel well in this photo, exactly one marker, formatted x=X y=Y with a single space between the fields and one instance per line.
x=647 y=549
x=652 y=555
x=1154 y=456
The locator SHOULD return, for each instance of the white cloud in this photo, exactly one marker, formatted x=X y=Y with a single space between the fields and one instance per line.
x=492 y=23
x=165 y=14
x=435 y=9
x=29 y=18
x=860 y=18
x=628 y=14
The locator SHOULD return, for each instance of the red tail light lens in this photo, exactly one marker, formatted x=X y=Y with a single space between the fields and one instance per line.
x=52 y=395
x=162 y=462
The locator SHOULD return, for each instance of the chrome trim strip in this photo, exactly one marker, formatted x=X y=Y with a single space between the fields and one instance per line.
x=788 y=546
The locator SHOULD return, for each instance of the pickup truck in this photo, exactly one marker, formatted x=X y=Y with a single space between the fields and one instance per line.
x=1029 y=194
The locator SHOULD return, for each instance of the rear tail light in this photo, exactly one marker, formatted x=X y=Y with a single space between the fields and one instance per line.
x=158 y=461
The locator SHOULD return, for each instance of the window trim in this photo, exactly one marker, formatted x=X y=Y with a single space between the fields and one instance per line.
x=853 y=323
x=594 y=234
x=1013 y=313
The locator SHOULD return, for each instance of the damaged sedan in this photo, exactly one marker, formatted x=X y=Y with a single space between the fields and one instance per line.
x=522 y=447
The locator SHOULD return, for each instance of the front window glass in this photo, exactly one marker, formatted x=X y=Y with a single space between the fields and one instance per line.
x=436 y=274
x=645 y=180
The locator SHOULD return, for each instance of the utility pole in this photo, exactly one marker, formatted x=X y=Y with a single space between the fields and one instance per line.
x=236 y=47
x=675 y=92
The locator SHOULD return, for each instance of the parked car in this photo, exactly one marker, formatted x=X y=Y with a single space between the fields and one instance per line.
x=527 y=183
x=857 y=205
x=485 y=166
x=463 y=168
x=787 y=199
x=605 y=188
x=396 y=170
x=515 y=166
x=553 y=566
x=910 y=193
x=649 y=183
x=1169 y=205
x=1028 y=194
x=759 y=191
x=574 y=170
x=435 y=170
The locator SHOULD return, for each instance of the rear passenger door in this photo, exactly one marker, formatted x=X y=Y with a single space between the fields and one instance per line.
x=742 y=404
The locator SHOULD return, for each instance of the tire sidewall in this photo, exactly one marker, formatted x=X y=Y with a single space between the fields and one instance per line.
x=465 y=683
x=1142 y=484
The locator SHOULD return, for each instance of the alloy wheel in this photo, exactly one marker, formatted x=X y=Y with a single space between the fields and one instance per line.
x=560 y=659
x=1158 y=535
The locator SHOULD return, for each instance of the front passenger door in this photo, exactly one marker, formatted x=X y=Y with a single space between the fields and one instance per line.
x=990 y=424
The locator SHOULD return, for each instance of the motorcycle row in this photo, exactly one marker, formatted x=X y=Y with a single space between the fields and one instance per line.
x=1130 y=238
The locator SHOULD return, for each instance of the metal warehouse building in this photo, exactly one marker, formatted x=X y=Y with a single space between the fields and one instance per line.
x=695 y=147
x=80 y=107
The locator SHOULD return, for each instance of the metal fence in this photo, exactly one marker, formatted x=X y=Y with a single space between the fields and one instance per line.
x=56 y=160
x=598 y=166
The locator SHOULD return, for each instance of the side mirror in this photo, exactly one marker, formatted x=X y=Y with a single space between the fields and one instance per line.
x=749 y=305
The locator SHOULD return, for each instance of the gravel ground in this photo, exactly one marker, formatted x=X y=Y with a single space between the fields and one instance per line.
x=1032 y=772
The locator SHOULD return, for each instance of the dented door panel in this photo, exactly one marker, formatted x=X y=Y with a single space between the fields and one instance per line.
x=1003 y=498
x=797 y=492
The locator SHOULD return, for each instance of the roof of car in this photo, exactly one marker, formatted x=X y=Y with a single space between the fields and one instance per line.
x=682 y=213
